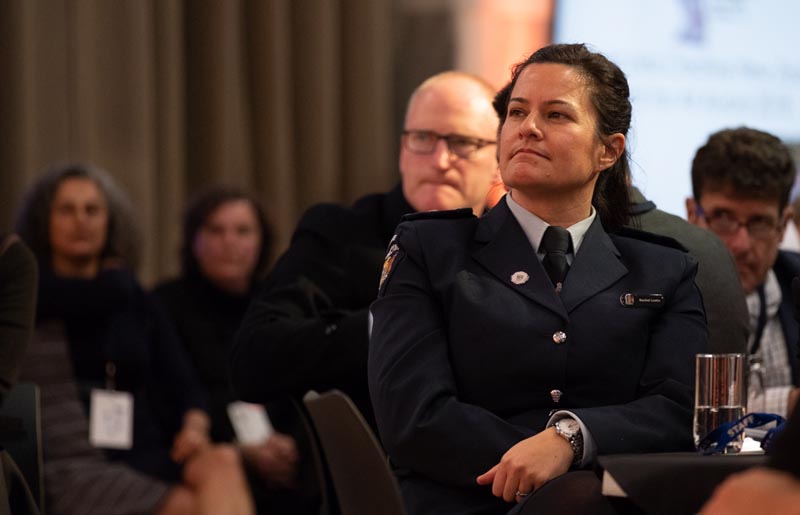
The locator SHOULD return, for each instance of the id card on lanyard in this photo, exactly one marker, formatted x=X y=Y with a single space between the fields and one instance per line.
x=111 y=415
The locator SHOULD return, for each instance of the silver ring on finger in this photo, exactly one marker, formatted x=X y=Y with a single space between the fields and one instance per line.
x=523 y=494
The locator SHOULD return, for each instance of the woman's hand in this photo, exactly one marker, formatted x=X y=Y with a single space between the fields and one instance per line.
x=192 y=437
x=275 y=459
x=528 y=465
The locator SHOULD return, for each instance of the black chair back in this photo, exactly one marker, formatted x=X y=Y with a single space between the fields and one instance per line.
x=21 y=437
x=361 y=476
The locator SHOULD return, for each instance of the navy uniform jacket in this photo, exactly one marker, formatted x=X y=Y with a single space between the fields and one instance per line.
x=463 y=362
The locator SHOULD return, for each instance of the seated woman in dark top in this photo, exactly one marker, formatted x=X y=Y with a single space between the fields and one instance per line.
x=225 y=251
x=510 y=349
x=79 y=226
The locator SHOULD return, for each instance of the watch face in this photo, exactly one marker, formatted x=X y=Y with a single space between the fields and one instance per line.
x=569 y=426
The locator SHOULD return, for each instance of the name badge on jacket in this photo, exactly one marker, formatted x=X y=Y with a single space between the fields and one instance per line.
x=642 y=300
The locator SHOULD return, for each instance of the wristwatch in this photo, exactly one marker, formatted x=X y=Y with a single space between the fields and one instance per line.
x=570 y=430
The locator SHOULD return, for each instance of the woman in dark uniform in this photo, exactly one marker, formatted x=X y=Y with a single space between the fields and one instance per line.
x=509 y=349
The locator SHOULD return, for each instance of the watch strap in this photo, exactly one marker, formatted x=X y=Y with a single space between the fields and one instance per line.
x=575 y=439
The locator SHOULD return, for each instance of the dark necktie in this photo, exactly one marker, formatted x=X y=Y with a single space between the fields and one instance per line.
x=556 y=243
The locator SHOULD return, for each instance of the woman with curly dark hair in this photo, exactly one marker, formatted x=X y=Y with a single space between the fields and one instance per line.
x=128 y=363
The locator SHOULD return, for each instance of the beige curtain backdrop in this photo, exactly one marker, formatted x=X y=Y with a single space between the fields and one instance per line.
x=289 y=99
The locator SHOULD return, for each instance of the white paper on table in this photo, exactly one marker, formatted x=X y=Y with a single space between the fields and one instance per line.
x=610 y=487
x=751 y=446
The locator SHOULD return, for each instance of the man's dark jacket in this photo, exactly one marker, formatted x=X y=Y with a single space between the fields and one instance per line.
x=308 y=327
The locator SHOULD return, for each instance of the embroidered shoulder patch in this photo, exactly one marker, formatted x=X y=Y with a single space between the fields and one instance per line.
x=388 y=262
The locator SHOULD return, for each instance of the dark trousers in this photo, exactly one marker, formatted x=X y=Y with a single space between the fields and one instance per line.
x=574 y=493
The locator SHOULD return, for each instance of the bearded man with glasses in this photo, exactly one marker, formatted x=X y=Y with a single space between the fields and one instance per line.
x=741 y=181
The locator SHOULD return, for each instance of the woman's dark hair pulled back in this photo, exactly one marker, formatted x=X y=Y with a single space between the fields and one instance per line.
x=610 y=96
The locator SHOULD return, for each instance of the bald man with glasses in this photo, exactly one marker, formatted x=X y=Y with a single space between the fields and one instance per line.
x=308 y=327
x=741 y=181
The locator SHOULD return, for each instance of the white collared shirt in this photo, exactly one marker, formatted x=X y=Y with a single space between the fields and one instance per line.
x=534 y=228
x=771 y=395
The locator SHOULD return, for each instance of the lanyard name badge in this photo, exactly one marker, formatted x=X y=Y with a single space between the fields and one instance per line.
x=111 y=415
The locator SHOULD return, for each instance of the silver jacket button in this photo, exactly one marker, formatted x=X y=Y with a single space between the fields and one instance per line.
x=555 y=395
x=559 y=337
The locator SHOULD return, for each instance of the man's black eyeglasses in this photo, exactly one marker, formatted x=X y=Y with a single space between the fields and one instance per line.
x=424 y=142
x=724 y=224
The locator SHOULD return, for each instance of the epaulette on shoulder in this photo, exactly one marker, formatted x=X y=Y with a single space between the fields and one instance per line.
x=465 y=212
x=658 y=239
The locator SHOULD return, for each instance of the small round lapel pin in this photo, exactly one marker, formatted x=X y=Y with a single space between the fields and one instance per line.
x=519 y=277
